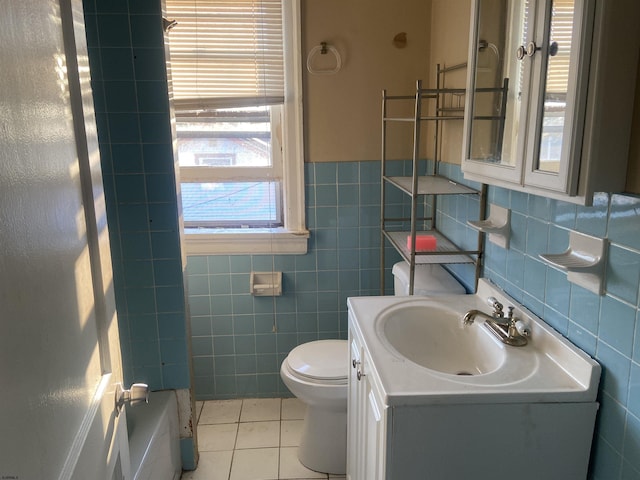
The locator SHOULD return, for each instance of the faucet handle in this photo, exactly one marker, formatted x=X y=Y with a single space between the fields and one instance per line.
x=517 y=326
x=497 y=307
x=523 y=329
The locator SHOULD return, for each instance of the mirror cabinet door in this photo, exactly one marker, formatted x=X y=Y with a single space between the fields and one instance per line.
x=498 y=84
x=547 y=107
x=556 y=85
x=559 y=61
x=528 y=73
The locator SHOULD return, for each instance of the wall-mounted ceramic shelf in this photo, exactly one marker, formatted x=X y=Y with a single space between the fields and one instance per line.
x=584 y=261
x=498 y=225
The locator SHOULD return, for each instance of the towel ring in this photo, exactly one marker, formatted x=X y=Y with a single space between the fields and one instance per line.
x=323 y=48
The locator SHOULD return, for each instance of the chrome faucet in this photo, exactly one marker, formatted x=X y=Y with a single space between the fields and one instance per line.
x=470 y=316
x=509 y=330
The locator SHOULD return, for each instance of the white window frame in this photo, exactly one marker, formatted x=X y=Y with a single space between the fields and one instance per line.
x=292 y=237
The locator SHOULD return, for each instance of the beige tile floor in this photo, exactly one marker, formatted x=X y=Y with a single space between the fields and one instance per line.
x=251 y=439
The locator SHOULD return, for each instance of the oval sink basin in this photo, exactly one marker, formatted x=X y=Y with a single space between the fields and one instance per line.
x=435 y=338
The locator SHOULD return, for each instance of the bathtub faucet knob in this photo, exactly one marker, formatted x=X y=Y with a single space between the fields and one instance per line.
x=137 y=394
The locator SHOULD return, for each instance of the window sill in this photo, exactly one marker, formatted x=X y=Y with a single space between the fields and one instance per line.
x=240 y=241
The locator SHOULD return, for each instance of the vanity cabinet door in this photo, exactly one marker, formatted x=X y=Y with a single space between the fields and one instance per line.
x=366 y=421
x=548 y=109
x=374 y=436
x=355 y=457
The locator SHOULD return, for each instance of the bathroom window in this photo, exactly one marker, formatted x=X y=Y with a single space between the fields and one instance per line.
x=236 y=89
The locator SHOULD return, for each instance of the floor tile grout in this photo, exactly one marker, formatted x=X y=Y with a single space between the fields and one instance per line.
x=256 y=415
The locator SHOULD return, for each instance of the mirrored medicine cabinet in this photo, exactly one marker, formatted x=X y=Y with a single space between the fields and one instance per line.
x=550 y=95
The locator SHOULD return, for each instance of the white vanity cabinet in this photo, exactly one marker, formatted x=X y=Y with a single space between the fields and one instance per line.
x=570 y=66
x=366 y=441
x=407 y=422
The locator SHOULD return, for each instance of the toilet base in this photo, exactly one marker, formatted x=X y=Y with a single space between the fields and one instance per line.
x=323 y=445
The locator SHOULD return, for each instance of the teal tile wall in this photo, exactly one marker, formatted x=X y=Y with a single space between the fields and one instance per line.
x=126 y=55
x=239 y=341
x=606 y=327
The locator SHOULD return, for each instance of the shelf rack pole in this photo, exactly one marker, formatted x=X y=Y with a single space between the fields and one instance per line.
x=481 y=236
x=414 y=189
x=382 y=191
x=503 y=115
x=436 y=143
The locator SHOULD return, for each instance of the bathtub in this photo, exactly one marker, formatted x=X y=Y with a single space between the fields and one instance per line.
x=154 y=439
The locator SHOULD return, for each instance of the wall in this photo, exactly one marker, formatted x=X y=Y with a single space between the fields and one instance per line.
x=342 y=112
x=236 y=351
x=126 y=54
x=448 y=47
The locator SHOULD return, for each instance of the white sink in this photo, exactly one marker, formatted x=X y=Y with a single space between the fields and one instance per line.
x=421 y=352
x=436 y=338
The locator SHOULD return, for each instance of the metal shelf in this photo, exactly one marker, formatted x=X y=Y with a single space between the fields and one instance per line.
x=431 y=185
x=445 y=252
x=426 y=183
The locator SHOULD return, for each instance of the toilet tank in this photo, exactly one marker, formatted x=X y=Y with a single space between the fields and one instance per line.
x=430 y=279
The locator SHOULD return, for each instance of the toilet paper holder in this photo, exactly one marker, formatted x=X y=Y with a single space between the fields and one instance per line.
x=265 y=284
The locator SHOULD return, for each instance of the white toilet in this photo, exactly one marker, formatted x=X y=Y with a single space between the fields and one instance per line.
x=316 y=373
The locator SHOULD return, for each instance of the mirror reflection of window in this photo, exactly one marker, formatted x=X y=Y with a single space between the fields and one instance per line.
x=556 y=87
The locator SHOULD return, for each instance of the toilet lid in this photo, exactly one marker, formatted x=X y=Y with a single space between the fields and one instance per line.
x=322 y=359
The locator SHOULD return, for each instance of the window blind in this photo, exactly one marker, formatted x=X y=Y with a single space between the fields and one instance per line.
x=561 y=32
x=562 y=16
x=226 y=53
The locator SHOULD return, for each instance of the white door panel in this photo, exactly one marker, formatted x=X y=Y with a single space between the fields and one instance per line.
x=59 y=342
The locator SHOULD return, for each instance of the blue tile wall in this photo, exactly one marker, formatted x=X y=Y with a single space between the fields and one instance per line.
x=238 y=340
x=126 y=55
x=606 y=327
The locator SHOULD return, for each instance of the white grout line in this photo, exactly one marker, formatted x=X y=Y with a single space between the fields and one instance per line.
x=233 y=456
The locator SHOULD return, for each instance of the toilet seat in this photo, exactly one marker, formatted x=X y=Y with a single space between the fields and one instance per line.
x=323 y=361
x=303 y=379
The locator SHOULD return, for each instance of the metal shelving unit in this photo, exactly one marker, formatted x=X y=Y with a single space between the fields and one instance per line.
x=426 y=184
